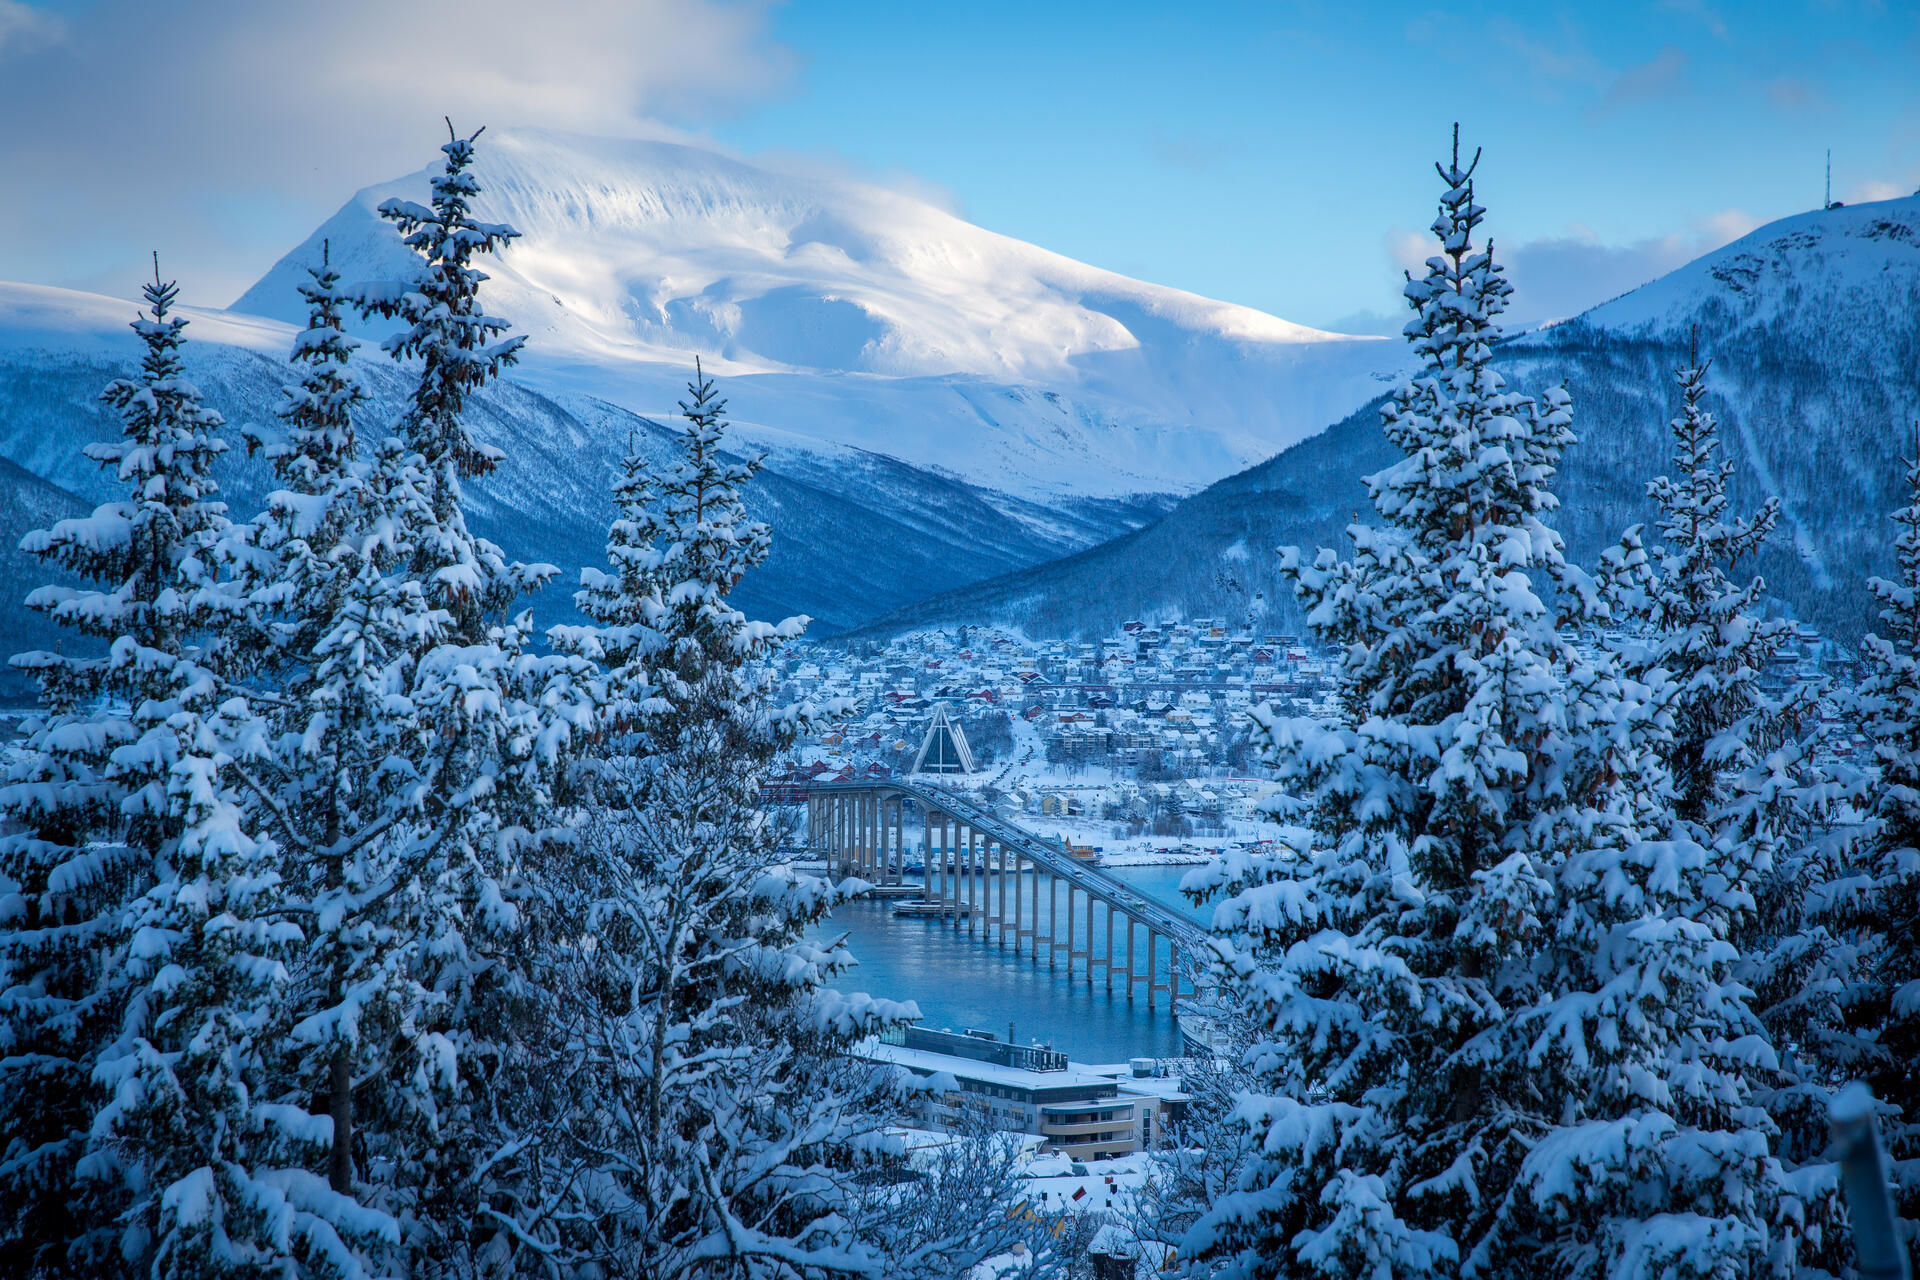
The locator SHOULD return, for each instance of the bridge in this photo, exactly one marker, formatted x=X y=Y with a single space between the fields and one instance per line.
x=986 y=874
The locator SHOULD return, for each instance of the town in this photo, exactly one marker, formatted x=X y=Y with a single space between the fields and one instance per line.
x=1134 y=748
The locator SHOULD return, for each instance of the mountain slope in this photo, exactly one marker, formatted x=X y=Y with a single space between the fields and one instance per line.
x=848 y=314
x=857 y=534
x=1813 y=325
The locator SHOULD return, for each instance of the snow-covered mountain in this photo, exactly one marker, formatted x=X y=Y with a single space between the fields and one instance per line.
x=1813 y=326
x=847 y=314
x=859 y=533
x=939 y=404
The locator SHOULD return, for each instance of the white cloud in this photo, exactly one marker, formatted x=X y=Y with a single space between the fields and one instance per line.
x=1410 y=250
x=1555 y=277
x=1865 y=192
x=219 y=131
x=1561 y=276
x=1660 y=76
x=24 y=28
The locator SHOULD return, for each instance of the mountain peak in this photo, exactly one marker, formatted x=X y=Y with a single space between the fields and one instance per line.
x=1033 y=372
x=665 y=249
x=1848 y=252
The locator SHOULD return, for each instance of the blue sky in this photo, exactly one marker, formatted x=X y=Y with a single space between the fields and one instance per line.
x=1276 y=155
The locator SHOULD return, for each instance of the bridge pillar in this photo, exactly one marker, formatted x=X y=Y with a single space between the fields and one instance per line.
x=959 y=873
x=1053 y=932
x=1152 y=946
x=963 y=860
x=1019 y=888
x=870 y=833
x=1109 y=970
x=999 y=848
x=973 y=883
x=1129 y=959
x=1010 y=885
x=900 y=839
x=951 y=864
x=1089 y=941
x=1071 y=953
x=1069 y=942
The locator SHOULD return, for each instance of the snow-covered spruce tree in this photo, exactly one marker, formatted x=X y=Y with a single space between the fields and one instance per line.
x=1741 y=759
x=1878 y=905
x=289 y=560
x=713 y=1109
x=1703 y=629
x=428 y=984
x=224 y=1185
x=335 y=620
x=92 y=827
x=460 y=349
x=1496 y=1036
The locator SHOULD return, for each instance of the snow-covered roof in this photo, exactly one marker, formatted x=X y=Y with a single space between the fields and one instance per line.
x=921 y=1062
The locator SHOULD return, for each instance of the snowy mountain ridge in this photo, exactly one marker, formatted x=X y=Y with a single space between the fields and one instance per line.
x=1842 y=257
x=850 y=314
x=1812 y=324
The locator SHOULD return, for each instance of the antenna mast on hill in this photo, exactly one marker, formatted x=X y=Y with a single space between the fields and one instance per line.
x=1828 y=202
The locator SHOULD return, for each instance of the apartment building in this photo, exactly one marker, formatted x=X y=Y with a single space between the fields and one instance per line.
x=1076 y=1110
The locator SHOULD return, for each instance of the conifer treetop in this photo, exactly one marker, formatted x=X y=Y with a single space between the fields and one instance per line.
x=146 y=549
x=461 y=346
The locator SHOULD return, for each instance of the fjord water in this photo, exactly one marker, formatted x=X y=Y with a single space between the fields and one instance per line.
x=962 y=982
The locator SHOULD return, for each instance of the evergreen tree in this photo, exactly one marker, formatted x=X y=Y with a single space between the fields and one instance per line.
x=90 y=795
x=221 y=1186
x=337 y=619
x=460 y=349
x=455 y=916
x=1703 y=629
x=1741 y=760
x=291 y=561
x=407 y=771
x=1879 y=904
x=1497 y=1033
x=712 y=1106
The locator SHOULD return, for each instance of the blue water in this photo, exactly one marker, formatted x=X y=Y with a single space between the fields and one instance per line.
x=961 y=982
